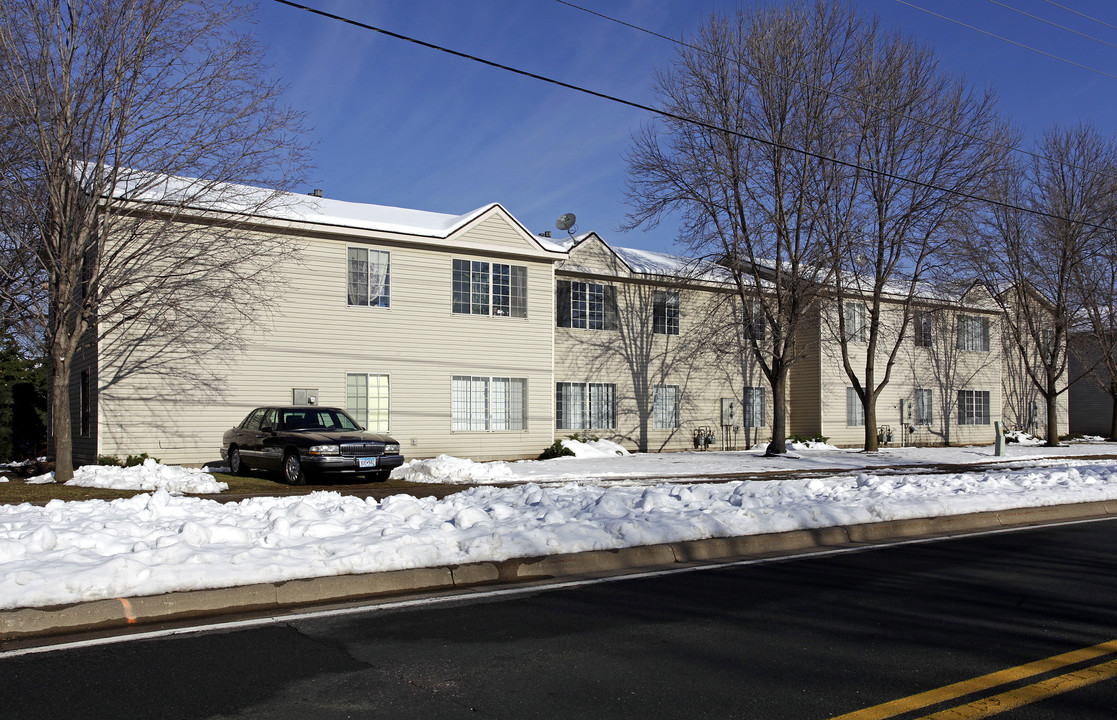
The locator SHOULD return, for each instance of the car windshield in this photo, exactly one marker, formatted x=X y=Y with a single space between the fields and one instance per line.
x=317 y=419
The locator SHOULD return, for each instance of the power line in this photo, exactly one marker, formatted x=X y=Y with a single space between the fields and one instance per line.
x=680 y=118
x=1081 y=14
x=804 y=83
x=1007 y=40
x=1052 y=23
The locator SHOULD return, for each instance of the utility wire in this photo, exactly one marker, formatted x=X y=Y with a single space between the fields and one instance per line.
x=1052 y=23
x=1081 y=14
x=680 y=118
x=1007 y=40
x=803 y=83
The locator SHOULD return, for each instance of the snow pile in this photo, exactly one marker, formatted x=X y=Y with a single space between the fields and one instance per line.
x=793 y=446
x=3 y=478
x=149 y=476
x=452 y=470
x=594 y=448
x=1023 y=438
x=44 y=479
x=155 y=543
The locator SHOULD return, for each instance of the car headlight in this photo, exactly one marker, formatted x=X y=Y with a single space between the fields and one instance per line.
x=391 y=449
x=323 y=450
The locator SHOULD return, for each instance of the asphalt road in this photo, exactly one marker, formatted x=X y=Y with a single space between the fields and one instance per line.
x=797 y=638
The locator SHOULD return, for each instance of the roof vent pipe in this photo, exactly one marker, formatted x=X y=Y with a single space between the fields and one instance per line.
x=317 y=192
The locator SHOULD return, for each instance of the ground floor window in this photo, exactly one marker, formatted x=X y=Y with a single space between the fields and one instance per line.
x=585 y=406
x=488 y=403
x=366 y=399
x=753 y=407
x=973 y=407
x=924 y=414
x=665 y=407
x=855 y=411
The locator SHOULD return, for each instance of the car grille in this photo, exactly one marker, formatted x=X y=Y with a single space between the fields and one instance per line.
x=362 y=449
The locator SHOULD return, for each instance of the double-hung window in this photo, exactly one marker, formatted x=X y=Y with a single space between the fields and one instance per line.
x=366 y=399
x=590 y=306
x=973 y=333
x=488 y=288
x=755 y=322
x=921 y=328
x=854 y=317
x=665 y=407
x=665 y=312
x=754 y=415
x=973 y=407
x=924 y=411
x=855 y=411
x=488 y=403
x=369 y=277
x=585 y=406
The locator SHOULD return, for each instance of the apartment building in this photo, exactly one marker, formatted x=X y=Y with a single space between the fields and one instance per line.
x=471 y=336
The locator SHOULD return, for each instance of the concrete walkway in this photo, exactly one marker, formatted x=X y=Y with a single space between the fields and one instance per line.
x=19 y=626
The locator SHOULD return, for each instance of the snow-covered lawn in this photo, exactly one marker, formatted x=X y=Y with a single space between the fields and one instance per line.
x=157 y=542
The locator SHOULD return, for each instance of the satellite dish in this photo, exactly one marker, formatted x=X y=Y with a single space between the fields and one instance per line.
x=565 y=221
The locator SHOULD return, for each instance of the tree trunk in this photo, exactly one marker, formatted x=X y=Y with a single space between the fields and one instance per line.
x=61 y=426
x=778 y=445
x=872 y=442
x=1113 y=414
x=1052 y=419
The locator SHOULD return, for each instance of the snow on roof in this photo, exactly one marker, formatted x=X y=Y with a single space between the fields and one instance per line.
x=246 y=199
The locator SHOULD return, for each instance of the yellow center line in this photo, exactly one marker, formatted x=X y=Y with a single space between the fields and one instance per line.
x=1028 y=694
x=985 y=682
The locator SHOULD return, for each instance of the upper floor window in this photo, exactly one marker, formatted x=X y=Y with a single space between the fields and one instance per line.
x=755 y=322
x=921 y=328
x=854 y=313
x=665 y=312
x=591 y=306
x=973 y=333
x=369 y=277
x=484 y=288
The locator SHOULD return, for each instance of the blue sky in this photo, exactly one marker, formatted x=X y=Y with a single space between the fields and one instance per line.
x=402 y=125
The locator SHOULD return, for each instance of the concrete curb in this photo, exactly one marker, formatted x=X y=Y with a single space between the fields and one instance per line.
x=29 y=623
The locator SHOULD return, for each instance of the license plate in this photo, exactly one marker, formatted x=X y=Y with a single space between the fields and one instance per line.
x=366 y=462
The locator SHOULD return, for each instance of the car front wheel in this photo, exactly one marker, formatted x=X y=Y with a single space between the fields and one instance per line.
x=293 y=469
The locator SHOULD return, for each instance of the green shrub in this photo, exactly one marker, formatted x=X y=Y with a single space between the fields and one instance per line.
x=109 y=460
x=133 y=460
x=557 y=450
x=809 y=438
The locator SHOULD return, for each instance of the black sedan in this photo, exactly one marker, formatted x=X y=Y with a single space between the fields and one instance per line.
x=305 y=439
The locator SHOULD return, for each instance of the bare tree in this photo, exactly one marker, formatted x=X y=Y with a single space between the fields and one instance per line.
x=137 y=121
x=920 y=146
x=753 y=103
x=1037 y=245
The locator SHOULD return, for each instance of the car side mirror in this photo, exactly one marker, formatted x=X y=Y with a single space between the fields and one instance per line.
x=267 y=428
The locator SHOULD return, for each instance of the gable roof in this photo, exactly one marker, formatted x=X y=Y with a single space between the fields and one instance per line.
x=247 y=200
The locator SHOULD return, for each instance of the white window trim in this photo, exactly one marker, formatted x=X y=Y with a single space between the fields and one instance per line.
x=368 y=288
x=489 y=394
x=492 y=294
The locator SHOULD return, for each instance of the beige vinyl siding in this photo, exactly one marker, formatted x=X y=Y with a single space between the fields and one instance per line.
x=968 y=370
x=636 y=359
x=314 y=338
x=804 y=391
